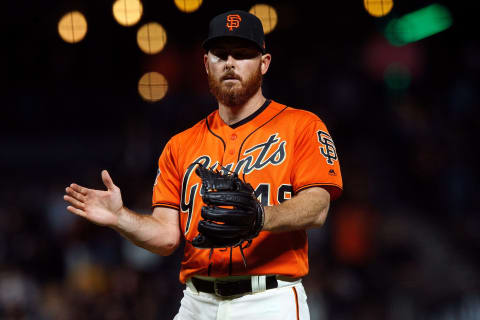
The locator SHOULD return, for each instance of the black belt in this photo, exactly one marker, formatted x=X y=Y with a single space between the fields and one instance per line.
x=225 y=288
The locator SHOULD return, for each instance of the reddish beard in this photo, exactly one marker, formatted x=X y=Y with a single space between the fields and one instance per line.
x=233 y=95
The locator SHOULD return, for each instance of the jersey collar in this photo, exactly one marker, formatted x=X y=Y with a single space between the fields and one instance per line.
x=252 y=116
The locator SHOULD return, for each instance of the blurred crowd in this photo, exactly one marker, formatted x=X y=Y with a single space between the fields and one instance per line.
x=401 y=243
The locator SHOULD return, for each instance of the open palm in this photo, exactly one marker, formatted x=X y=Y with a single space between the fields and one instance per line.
x=99 y=206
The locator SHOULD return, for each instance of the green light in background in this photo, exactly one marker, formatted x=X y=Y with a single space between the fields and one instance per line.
x=418 y=25
x=397 y=77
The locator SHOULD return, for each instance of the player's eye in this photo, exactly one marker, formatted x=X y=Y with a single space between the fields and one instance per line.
x=237 y=54
x=222 y=54
x=244 y=54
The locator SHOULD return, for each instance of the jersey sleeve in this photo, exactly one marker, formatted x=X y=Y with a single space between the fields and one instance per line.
x=166 y=189
x=316 y=162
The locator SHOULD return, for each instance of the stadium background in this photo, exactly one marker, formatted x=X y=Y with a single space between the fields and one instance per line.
x=402 y=242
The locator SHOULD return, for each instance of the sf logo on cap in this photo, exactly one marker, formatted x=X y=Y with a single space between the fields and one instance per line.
x=233 y=21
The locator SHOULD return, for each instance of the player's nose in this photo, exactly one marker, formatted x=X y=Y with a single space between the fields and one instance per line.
x=230 y=62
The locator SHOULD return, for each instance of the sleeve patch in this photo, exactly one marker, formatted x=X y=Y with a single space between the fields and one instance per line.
x=327 y=147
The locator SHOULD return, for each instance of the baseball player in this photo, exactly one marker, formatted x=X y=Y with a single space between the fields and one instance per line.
x=240 y=188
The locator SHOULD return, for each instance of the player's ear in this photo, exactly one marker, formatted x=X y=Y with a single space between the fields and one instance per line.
x=266 y=59
x=205 y=62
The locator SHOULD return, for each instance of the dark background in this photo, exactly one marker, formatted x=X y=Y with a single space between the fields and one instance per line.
x=401 y=243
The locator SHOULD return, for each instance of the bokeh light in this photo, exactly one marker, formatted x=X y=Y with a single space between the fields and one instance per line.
x=152 y=86
x=72 y=27
x=418 y=25
x=267 y=14
x=379 y=55
x=151 y=38
x=378 y=8
x=127 y=12
x=397 y=77
x=188 y=5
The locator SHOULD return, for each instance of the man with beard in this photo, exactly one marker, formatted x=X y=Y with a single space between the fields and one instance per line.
x=286 y=154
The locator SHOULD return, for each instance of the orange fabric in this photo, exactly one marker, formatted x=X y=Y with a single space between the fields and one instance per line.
x=281 y=151
x=296 y=302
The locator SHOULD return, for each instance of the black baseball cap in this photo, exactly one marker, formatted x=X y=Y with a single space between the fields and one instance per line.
x=236 y=24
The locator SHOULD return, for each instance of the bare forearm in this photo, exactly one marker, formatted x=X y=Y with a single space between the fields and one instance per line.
x=147 y=231
x=306 y=210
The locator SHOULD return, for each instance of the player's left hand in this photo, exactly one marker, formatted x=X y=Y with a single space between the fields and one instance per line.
x=232 y=213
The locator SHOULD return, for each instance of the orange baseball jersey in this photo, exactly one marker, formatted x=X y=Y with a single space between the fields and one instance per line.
x=280 y=151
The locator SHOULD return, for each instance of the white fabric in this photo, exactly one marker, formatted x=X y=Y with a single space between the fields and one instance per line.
x=191 y=286
x=259 y=283
x=272 y=304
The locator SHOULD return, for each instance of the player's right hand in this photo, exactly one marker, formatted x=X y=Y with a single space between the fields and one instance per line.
x=99 y=206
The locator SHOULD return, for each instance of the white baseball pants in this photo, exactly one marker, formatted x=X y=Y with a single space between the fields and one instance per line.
x=287 y=302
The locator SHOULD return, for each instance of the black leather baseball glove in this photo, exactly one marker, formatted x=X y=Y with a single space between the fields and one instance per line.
x=232 y=214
